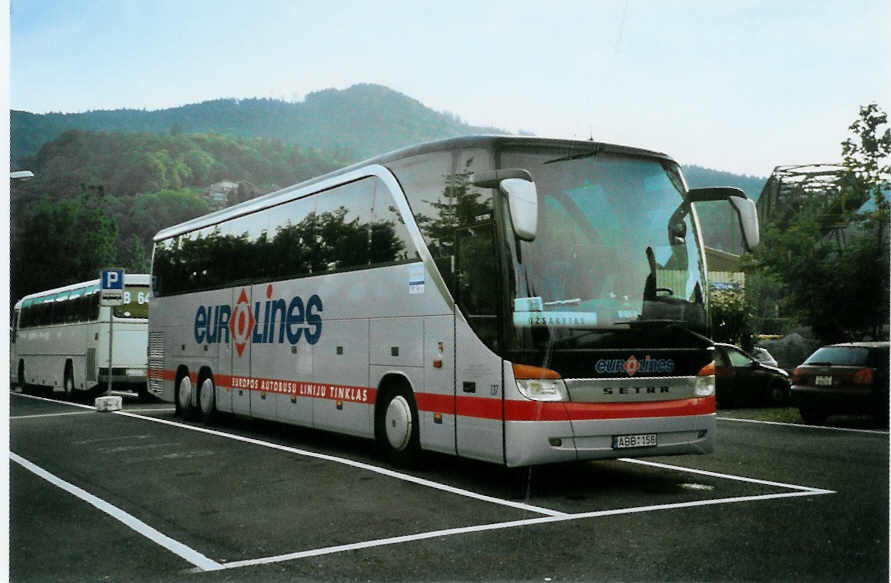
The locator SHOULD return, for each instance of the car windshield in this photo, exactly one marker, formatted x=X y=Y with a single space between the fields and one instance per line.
x=839 y=355
x=610 y=252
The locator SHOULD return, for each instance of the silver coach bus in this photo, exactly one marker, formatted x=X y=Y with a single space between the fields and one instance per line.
x=59 y=339
x=516 y=300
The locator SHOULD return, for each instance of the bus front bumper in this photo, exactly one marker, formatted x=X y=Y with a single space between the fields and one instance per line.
x=134 y=376
x=543 y=442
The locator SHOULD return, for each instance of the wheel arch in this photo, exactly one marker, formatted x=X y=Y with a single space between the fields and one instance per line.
x=389 y=382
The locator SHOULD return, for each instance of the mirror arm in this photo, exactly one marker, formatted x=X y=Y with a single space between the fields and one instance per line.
x=492 y=178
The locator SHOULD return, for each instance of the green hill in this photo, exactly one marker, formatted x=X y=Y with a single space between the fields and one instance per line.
x=355 y=123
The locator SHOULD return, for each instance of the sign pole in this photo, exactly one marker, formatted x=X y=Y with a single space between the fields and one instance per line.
x=110 y=344
x=112 y=294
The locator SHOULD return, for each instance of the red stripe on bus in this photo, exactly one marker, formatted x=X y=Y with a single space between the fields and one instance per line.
x=479 y=407
x=333 y=392
x=435 y=403
x=161 y=374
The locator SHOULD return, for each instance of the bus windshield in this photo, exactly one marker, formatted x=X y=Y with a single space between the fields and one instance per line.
x=610 y=251
x=136 y=302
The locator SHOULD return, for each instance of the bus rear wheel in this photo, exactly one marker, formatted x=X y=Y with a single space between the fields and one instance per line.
x=396 y=426
x=21 y=377
x=184 y=407
x=207 y=398
x=68 y=381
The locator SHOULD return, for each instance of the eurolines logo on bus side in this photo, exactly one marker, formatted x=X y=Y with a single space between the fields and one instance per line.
x=282 y=319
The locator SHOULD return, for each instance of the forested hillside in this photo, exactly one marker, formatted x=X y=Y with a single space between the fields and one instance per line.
x=97 y=199
x=362 y=120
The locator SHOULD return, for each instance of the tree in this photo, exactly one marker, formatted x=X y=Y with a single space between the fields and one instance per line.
x=731 y=319
x=834 y=272
x=64 y=242
x=131 y=255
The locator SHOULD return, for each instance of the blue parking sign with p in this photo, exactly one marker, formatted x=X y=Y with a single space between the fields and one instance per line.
x=113 y=279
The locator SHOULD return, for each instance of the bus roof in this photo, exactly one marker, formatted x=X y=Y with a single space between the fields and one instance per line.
x=289 y=192
x=84 y=287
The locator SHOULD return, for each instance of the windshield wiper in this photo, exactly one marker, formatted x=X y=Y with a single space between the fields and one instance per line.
x=578 y=156
x=652 y=323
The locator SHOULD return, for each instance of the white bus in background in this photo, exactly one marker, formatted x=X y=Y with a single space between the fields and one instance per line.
x=515 y=300
x=59 y=339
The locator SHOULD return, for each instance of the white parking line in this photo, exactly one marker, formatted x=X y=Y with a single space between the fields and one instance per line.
x=49 y=415
x=70 y=404
x=803 y=426
x=506 y=525
x=344 y=461
x=174 y=546
x=726 y=476
x=551 y=516
x=355 y=464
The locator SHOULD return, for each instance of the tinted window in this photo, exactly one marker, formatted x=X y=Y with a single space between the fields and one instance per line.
x=390 y=241
x=343 y=227
x=442 y=199
x=348 y=227
x=738 y=359
x=839 y=355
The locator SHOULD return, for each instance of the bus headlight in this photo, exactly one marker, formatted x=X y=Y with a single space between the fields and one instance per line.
x=135 y=372
x=705 y=381
x=543 y=389
x=540 y=384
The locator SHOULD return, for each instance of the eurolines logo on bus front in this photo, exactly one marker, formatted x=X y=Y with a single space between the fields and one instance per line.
x=282 y=319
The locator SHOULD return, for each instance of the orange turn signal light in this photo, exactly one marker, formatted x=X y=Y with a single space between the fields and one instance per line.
x=707 y=370
x=525 y=371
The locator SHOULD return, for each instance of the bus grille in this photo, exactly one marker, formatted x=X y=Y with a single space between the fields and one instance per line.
x=156 y=345
x=155 y=362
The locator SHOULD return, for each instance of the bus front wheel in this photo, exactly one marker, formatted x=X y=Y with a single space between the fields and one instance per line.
x=396 y=426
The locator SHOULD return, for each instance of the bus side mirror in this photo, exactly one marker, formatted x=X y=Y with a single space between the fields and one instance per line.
x=522 y=199
x=739 y=202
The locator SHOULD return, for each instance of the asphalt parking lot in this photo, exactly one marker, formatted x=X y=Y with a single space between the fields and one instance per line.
x=140 y=496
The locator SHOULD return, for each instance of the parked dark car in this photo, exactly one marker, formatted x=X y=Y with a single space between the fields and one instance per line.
x=842 y=378
x=743 y=380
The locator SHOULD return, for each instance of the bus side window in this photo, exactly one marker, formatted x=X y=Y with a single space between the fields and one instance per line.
x=390 y=240
x=477 y=282
x=93 y=307
x=342 y=232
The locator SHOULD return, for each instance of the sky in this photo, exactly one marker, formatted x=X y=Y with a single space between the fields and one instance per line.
x=732 y=85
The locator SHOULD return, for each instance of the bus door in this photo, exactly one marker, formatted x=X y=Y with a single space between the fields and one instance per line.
x=478 y=370
x=240 y=349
